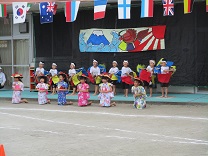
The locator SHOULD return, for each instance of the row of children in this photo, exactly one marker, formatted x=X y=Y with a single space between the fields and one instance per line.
x=105 y=89
x=126 y=74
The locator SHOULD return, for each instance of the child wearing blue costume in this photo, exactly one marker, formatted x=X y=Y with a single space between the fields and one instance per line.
x=62 y=90
x=139 y=94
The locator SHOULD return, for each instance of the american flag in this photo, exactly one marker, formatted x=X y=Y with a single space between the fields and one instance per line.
x=168 y=7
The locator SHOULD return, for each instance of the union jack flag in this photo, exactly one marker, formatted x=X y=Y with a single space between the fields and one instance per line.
x=168 y=7
x=50 y=6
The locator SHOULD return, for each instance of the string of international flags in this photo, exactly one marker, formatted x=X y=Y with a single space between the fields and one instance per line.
x=48 y=9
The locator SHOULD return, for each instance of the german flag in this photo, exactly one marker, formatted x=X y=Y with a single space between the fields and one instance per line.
x=188 y=6
x=206 y=5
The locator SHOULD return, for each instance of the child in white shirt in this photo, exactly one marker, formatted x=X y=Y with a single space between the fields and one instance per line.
x=112 y=73
x=125 y=71
x=54 y=76
x=71 y=73
x=150 y=68
x=95 y=72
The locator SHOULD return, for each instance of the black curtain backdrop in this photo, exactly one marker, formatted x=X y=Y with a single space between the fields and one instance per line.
x=186 y=41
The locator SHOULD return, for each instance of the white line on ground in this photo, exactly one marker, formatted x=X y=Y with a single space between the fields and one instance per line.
x=37 y=130
x=110 y=129
x=111 y=114
x=181 y=142
x=119 y=137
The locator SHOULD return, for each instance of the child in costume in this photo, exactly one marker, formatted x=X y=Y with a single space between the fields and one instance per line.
x=164 y=77
x=17 y=87
x=39 y=71
x=95 y=72
x=71 y=73
x=42 y=88
x=112 y=73
x=83 y=92
x=54 y=79
x=125 y=77
x=150 y=69
x=62 y=90
x=106 y=92
x=139 y=94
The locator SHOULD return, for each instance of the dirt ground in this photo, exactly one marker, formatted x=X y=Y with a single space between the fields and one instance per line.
x=52 y=130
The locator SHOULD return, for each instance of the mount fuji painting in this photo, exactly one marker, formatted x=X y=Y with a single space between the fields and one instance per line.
x=122 y=40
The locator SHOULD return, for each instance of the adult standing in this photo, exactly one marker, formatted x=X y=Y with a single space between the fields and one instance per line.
x=2 y=79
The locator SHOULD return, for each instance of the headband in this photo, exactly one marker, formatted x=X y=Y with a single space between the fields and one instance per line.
x=54 y=64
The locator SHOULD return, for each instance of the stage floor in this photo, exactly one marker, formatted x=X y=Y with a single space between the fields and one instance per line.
x=173 y=98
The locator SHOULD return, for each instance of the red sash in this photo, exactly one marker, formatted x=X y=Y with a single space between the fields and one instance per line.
x=145 y=76
x=164 y=78
x=127 y=80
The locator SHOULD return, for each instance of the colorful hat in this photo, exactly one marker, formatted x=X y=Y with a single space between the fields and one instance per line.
x=83 y=76
x=16 y=75
x=105 y=75
x=54 y=64
x=41 y=62
x=139 y=80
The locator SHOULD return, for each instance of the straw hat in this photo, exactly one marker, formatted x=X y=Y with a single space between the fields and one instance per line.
x=16 y=75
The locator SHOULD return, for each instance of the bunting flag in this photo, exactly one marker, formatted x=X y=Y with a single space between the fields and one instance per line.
x=19 y=12
x=46 y=12
x=71 y=10
x=168 y=7
x=28 y=6
x=99 y=9
x=124 y=8
x=55 y=9
x=147 y=8
x=3 y=10
x=188 y=6
x=206 y=5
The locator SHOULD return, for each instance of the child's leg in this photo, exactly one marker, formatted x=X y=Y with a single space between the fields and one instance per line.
x=166 y=92
x=23 y=101
x=74 y=91
x=162 y=90
x=113 y=104
x=126 y=92
x=54 y=90
x=150 y=91
x=96 y=90
x=114 y=89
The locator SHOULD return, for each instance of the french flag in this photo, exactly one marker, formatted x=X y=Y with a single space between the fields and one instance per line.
x=147 y=8
x=99 y=9
x=71 y=10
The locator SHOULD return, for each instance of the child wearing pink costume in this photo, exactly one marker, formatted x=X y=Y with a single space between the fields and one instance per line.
x=83 y=92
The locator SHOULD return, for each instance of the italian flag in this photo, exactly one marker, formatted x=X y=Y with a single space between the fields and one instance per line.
x=188 y=6
x=3 y=11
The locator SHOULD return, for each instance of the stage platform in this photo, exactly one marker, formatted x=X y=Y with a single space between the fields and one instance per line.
x=172 y=99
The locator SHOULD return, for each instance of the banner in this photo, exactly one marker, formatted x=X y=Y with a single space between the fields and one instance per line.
x=122 y=40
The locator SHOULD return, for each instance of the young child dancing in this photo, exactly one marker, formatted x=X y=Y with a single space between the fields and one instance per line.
x=62 y=90
x=165 y=73
x=106 y=92
x=95 y=72
x=112 y=73
x=126 y=77
x=71 y=73
x=42 y=88
x=17 y=87
x=139 y=94
x=83 y=92
x=54 y=78
x=150 y=68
